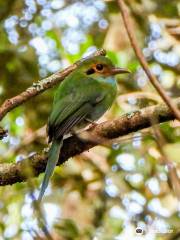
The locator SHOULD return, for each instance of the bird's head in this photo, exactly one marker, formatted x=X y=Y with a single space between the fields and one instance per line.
x=100 y=66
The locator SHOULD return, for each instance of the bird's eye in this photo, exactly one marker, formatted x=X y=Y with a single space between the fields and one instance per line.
x=99 y=67
x=90 y=71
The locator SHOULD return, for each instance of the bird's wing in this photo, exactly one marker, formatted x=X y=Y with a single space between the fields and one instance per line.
x=71 y=109
x=73 y=120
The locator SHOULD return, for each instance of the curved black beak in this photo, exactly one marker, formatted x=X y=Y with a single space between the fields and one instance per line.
x=116 y=70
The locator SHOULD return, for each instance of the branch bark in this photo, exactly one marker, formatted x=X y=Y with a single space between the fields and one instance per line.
x=142 y=60
x=128 y=123
x=41 y=86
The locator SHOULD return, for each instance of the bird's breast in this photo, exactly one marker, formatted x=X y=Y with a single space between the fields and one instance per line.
x=109 y=90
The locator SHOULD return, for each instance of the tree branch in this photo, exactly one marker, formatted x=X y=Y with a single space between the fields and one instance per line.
x=128 y=123
x=142 y=60
x=41 y=86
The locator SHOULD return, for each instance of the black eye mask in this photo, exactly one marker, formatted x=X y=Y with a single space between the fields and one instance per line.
x=90 y=71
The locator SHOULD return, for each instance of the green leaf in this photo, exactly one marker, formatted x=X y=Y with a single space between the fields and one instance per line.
x=173 y=152
x=68 y=229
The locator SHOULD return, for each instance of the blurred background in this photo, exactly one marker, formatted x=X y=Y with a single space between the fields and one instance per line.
x=118 y=192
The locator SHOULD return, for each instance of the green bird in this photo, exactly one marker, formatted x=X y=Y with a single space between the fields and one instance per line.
x=83 y=97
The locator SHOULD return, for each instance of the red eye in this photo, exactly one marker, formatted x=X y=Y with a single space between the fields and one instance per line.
x=99 y=67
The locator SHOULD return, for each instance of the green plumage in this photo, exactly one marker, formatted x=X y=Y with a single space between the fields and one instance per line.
x=52 y=161
x=87 y=93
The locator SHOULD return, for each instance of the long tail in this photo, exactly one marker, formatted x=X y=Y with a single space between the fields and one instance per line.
x=53 y=157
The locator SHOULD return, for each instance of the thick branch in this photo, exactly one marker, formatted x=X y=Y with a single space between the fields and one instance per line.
x=128 y=123
x=41 y=86
x=142 y=60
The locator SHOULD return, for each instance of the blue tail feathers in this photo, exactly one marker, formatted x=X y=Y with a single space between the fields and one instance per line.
x=53 y=157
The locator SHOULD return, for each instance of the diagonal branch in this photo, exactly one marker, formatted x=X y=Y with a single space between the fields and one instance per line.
x=142 y=60
x=128 y=123
x=41 y=86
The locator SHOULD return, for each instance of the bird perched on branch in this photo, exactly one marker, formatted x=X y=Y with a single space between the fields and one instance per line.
x=83 y=97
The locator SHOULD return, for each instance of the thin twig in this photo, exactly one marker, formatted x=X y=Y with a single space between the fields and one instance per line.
x=128 y=123
x=28 y=171
x=41 y=86
x=142 y=60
